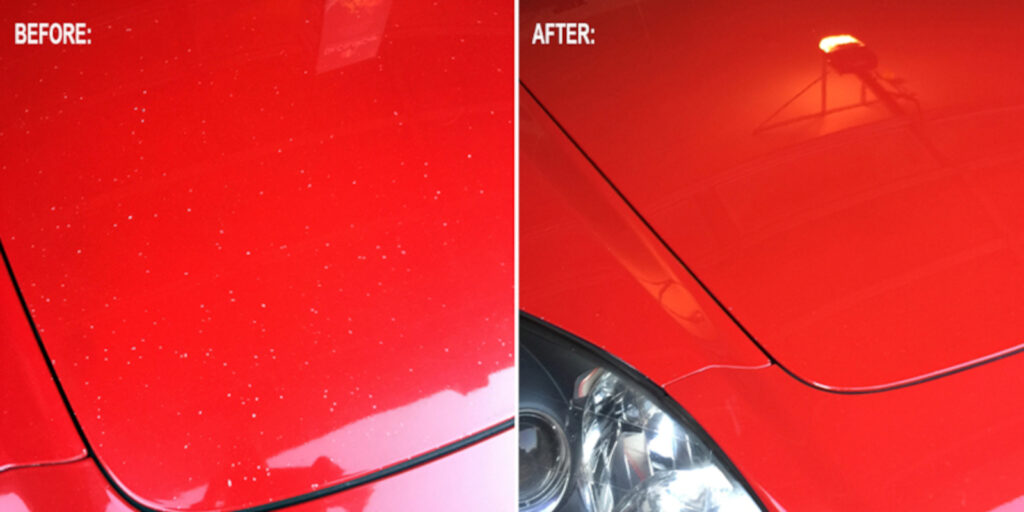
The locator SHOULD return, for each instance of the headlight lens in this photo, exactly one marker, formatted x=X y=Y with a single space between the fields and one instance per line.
x=628 y=453
x=544 y=462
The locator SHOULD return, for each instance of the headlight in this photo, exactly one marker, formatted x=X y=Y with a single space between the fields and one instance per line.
x=544 y=460
x=595 y=437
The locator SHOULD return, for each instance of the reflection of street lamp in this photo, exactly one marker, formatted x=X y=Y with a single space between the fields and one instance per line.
x=827 y=44
x=846 y=54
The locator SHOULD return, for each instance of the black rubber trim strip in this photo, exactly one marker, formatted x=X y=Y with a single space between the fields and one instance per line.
x=78 y=458
x=545 y=329
x=721 y=306
x=42 y=350
x=302 y=498
x=391 y=470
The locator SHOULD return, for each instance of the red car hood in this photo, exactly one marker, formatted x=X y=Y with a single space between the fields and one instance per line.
x=861 y=249
x=268 y=246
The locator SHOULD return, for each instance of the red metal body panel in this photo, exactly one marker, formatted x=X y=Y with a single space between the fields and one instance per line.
x=34 y=424
x=469 y=480
x=267 y=245
x=590 y=266
x=863 y=250
x=949 y=444
x=74 y=486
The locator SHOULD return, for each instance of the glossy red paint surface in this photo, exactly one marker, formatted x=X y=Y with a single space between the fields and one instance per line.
x=268 y=245
x=34 y=424
x=72 y=486
x=949 y=444
x=591 y=267
x=476 y=478
x=862 y=249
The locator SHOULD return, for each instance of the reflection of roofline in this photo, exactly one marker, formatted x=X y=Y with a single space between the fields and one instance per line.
x=780 y=157
x=839 y=137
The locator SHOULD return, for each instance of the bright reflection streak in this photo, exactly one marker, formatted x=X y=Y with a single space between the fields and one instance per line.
x=352 y=32
x=1010 y=506
x=13 y=503
x=193 y=496
x=830 y=43
x=663 y=443
x=337 y=445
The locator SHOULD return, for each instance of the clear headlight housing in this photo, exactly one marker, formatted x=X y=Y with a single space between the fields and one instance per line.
x=627 y=449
